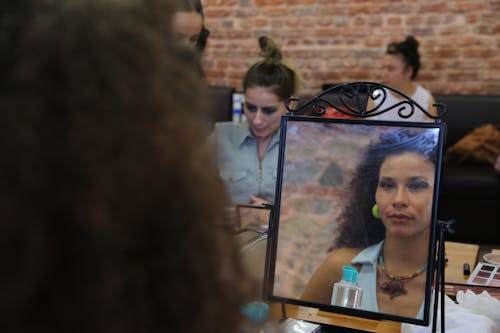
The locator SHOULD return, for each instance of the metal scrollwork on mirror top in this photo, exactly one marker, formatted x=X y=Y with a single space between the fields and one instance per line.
x=362 y=100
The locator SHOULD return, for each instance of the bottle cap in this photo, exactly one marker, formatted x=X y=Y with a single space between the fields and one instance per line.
x=256 y=311
x=349 y=274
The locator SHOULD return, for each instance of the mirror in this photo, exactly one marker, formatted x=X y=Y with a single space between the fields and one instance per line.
x=331 y=172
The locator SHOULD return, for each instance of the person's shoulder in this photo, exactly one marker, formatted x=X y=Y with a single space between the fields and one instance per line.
x=343 y=256
x=224 y=129
x=425 y=97
x=421 y=90
x=226 y=124
x=347 y=251
x=229 y=133
x=227 y=127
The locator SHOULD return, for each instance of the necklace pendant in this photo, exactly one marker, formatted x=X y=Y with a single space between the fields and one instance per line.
x=393 y=288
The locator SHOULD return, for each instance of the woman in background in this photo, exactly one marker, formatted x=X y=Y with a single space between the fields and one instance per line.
x=384 y=230
x=188 y=24
x=400 y=66
x=248 y=151
x=109 y=207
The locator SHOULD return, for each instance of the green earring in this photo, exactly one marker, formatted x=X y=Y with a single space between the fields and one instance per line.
x=375 y=211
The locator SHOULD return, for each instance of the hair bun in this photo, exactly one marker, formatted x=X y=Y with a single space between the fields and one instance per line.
x=269 y=50
x=411 y=43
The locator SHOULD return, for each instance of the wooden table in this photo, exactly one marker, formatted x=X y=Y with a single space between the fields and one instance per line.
x=333 y=319
x=458 y=254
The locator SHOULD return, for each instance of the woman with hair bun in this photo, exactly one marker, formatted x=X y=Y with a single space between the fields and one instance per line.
x=248 y=151
x=400 y=66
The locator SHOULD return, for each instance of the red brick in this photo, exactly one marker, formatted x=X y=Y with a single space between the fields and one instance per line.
x=436 y=7
x=267 y=2
x=495 y=64
x=492 y=88
x=467 y=6
x=394 y=20
x=344 y=39
x=489 y=29
x=495 y=5
x=480 y=53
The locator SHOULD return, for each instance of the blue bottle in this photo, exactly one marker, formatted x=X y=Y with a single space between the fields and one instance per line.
x=347 y=293
x=257 y=319
x=238 y=99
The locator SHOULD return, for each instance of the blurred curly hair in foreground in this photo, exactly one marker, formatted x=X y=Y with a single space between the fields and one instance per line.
x=109 y=203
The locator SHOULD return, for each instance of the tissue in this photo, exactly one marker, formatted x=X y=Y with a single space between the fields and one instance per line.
x=473 y=313
x=483 y=304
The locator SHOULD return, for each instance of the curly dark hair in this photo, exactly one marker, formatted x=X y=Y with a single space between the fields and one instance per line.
x=357 y=226
x=408 y=49
x=108 y=202
x=271 y=72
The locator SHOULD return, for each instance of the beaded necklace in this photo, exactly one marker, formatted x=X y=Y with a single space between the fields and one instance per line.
x=395 y=286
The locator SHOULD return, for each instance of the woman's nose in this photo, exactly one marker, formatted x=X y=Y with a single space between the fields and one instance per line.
x=384 y=75
x=259 y=117
x=400 y=198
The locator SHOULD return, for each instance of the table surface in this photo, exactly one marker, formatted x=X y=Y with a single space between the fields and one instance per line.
x=458 y=254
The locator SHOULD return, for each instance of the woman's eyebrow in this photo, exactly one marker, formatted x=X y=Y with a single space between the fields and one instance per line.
x=419 y=178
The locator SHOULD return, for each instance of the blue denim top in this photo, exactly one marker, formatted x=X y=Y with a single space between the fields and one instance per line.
x=239 y=166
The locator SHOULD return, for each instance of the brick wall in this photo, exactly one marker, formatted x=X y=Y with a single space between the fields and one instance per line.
x=343 y=40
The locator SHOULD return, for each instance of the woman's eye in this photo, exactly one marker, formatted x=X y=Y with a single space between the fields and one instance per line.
x=269 y=109
x=386 y=185
x=418 y=185
x=250 y=107
x=265 y=109
x=194 y=39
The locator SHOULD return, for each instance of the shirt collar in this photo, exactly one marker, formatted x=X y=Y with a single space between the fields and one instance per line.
x=245 y=135
x=369 y=254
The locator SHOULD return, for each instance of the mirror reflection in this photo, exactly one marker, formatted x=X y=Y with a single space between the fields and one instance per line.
x=356 y=215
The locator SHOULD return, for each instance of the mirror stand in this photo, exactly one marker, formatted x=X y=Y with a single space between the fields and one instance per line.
x=443 y=227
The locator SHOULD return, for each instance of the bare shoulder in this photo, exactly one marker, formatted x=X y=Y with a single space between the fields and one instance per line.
x=343 y=256
x=431 y=108
x=338 y=258
x=319 y=287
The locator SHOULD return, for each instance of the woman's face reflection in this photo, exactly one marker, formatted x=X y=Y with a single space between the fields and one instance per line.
x=187 y=27
x=405 y=193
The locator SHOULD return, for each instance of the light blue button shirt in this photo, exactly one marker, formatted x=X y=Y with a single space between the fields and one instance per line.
x=239 y=166
x=367 y=278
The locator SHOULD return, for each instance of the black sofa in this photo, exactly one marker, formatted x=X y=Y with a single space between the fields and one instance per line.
x=220 y=104
x=470 y=192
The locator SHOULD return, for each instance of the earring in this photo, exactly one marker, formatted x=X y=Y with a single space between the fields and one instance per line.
x=375 y=211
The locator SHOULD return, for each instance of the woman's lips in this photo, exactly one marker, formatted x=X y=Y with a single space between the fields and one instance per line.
x=399 y=218
x=259 y=130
